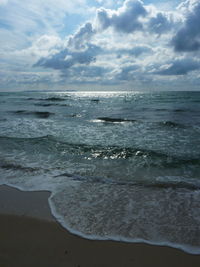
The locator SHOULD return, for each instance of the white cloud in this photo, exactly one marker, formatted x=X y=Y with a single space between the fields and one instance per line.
x=125 y=19
x=81 y=38
x=134 y=16
x=187 y=38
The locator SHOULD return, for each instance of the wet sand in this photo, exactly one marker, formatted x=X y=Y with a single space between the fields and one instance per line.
x=30 y=236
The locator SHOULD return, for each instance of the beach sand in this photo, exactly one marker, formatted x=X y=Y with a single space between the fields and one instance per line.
x=30 y=236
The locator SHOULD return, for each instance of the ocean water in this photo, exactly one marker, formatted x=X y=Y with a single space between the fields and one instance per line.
x=120 y=165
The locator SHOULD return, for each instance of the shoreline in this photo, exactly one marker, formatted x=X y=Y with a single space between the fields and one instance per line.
x=30 y=236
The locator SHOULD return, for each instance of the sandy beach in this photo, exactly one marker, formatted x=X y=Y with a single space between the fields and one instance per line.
x=30 y=236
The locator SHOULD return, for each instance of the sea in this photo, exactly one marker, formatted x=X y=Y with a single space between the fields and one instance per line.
x=121 y=166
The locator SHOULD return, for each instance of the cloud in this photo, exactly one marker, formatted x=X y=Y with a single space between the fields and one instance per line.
x=127 y=72
x=179 y=67
x=160 y=23
x=28 y=20
x=135 y=51
x=78 y=50
x=80 y=39
x=135 y=16
x=83 y=73
x=115 y=42
x=67 y=58
x=187 y=39
x=125 y=19
x=91 y=71
x=29 y=78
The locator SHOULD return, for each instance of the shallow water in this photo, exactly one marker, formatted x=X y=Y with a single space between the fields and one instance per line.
x=120 y=165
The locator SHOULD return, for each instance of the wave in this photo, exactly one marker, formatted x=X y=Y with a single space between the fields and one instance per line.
x=168 y=109
x=96 y=100
x=196 y=101
x=159 y=183
x=53 y=99
x=19 y=111
x=45 y=105
x=42 y=114
x=51 y=104
x=47 y=99
x=180 y=110
x=171 y=183
x=74 y=115
x=114 y=120
x=176 y=185
x=147 y=157
x=16 y=167
x=171 y=124
x=160 y=109
x=38 y=114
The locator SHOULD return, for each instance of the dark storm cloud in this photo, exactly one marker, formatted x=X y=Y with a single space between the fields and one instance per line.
x=180 y=67
x=187 y=39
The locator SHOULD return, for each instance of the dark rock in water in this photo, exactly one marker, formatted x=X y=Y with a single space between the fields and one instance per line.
x=107 y=119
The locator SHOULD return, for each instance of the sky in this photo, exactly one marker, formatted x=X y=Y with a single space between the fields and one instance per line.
x=99 y=45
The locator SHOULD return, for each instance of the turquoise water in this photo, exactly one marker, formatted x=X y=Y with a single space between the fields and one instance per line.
x=120 y=165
